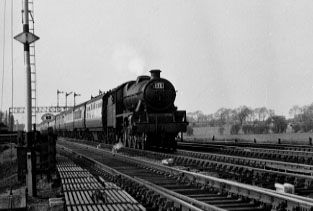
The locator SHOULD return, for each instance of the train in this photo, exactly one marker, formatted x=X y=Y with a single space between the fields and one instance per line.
x=139 y=113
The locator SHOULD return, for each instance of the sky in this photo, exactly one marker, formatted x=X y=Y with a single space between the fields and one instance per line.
x=217 y=53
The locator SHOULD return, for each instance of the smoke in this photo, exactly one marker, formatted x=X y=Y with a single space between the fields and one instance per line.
x=117 y=147
x=136 y=65
x=167 y=161
x=127 y=58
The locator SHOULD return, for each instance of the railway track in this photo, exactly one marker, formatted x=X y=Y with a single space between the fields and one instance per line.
x=287 y=167
x=291 y=156
x=259 y=172
x=190 y=186
x=227 y=168
x=82 y=191
x=295 y=147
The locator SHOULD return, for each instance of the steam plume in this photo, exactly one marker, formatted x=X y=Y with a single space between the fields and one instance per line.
x=127 y=58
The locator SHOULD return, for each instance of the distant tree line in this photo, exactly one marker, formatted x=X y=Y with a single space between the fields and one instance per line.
x=242 y=120
x=302 y=118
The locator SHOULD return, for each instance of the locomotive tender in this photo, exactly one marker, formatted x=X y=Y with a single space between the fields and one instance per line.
x=140 y=114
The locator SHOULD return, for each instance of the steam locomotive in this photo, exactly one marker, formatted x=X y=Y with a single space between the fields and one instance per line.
x=140 y=114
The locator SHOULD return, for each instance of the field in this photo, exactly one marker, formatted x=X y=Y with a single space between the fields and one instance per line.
x=206 y=133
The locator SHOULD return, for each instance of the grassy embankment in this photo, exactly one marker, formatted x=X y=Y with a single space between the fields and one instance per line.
x=206 y=134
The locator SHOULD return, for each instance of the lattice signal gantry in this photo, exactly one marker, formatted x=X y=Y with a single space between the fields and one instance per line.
x=40 y=109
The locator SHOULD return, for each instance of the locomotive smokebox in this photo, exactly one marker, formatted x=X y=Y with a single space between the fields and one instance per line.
x=155 y=74
x=155 y=93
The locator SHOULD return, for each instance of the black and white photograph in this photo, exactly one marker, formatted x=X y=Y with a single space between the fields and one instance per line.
x=174 y=105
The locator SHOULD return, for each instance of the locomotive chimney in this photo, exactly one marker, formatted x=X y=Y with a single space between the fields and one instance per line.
x=155 y=74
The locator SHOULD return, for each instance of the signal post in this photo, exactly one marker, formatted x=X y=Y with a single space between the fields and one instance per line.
x=26 y=38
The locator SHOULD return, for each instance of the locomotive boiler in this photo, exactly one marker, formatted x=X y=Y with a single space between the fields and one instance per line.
x=139 y=113
x=156 y=93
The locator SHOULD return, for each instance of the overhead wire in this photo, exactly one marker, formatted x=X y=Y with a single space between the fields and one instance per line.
x=12 y=75
x=3 y=53
x=11 y=120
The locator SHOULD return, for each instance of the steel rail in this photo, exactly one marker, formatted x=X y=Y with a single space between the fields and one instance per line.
x=300 y=147
x=183 y=201
x=308 y=180
x=259 y=149
x=252 y=192
x=299 y=168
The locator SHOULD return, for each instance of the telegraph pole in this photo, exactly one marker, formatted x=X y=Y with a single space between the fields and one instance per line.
x=67 y=94
x=75 y=95
x=58 y=92
x=26 y=38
